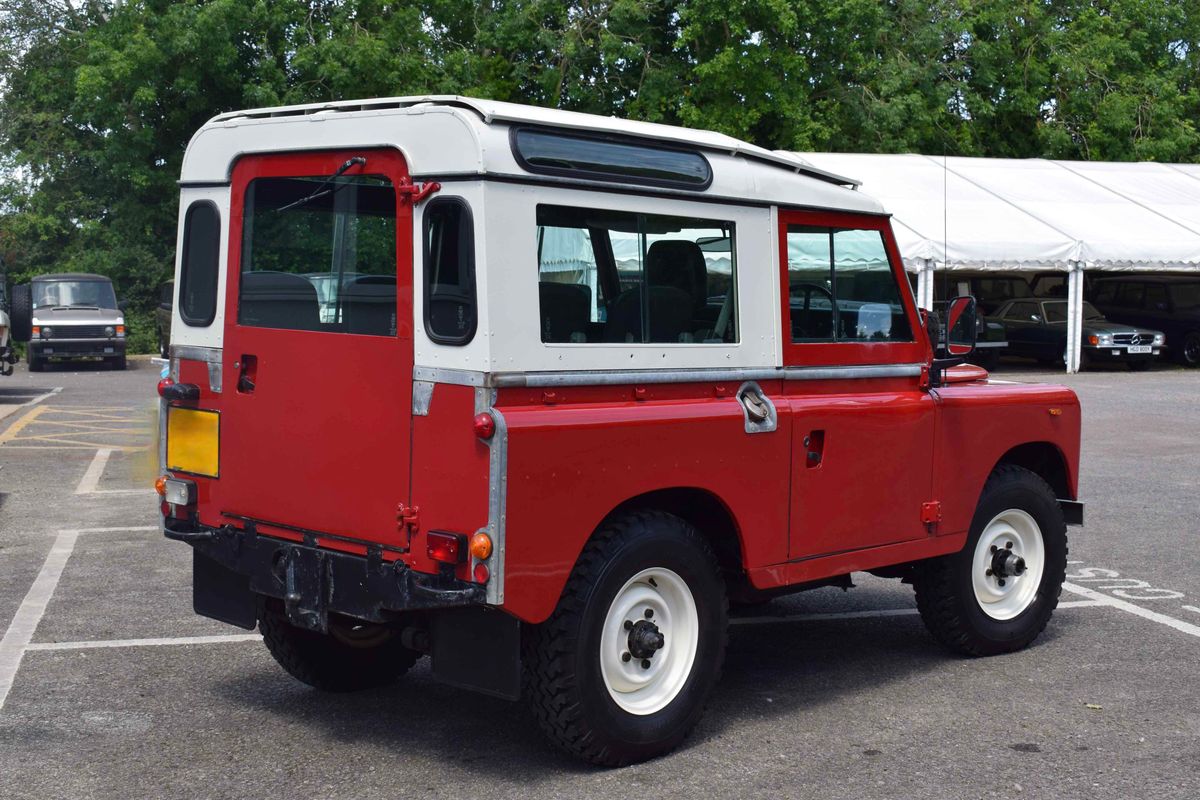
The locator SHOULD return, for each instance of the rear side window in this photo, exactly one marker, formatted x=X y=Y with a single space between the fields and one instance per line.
x=319 y=254
x=198 y=272
x=841 y=287
x=450 y=306
x=619 y=277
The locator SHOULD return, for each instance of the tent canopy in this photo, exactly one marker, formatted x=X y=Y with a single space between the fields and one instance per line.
x=1032 y=214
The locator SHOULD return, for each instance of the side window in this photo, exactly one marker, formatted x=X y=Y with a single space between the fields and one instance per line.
x=451 y=311
x=1131 y=295
x=1156 y=297
x=319 y=254
x=1105 y=292
x=610 y=276
x=841 y=287
x=199 y=267
x=1022 y=312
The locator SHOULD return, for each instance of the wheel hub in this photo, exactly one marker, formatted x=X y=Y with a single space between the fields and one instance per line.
x=644 y=638
x=1006 y=563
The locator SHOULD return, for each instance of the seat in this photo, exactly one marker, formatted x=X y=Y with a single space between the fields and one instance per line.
x=278 y=300
x=670 y=312
x=566 y=310
x=679 y=264
x=369 y=305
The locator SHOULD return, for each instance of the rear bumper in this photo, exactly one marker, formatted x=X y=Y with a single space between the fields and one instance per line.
x=232 y=567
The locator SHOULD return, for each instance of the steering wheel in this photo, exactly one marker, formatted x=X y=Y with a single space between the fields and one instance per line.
x=803 y=329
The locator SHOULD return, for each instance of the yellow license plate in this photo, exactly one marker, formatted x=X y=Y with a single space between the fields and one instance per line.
x=192 y=441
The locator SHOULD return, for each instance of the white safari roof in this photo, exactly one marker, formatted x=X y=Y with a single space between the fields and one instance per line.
x=1030 y=214
x=450 y=135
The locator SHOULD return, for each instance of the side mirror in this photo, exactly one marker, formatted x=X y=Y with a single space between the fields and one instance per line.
x=962 y=328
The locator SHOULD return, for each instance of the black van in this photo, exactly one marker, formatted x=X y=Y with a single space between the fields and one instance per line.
x=1169 y=303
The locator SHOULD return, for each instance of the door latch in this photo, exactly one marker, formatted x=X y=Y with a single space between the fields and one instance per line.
x=408 y=519
x=416 y=192
x=931 y=513
x=757 y=409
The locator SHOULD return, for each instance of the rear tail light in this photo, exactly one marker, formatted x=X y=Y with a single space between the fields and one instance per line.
x=481 y=573
x=179 y=492
x=448 y=548
x=160 y=485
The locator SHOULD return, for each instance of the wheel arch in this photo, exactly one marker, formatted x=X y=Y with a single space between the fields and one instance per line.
x=1045 y=459
x=707 y=513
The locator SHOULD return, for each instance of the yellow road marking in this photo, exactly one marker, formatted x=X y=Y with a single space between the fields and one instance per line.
x=20 y=424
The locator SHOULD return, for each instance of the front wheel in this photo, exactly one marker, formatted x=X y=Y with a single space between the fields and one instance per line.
x=621 y=670
x=1189 y=352
x=997 y=594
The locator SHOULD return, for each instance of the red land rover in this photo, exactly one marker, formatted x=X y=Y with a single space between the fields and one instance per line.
x=540 y=394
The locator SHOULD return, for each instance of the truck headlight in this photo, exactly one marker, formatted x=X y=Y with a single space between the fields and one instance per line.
x=46 y=332
x=110 y=331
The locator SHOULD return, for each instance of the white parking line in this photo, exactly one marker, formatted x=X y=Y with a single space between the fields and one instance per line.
x=174 y=640
x=91 y=478
x=29 y=614
x=1192 y=608
x=1125 y=605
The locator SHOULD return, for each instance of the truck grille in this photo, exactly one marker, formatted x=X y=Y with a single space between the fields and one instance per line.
x=78 y=331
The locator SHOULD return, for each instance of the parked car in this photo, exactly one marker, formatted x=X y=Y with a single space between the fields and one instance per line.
x=162 y=318
x=69 y=316
x=991 y=342
x=544 y=439
x=989 y=291
x=1166 y=302
x=1037 y=328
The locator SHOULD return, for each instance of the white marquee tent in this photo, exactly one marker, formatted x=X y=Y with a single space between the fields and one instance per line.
x=1008 y=215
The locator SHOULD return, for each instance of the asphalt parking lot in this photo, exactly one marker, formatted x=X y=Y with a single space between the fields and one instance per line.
x=111 y=687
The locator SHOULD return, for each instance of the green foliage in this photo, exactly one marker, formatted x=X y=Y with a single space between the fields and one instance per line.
x=100 y=97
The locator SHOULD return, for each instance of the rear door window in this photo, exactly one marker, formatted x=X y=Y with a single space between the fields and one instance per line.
x=319 y=254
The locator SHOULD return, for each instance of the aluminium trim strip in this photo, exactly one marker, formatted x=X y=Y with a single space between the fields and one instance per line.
x=531 y=380
x=191 y=352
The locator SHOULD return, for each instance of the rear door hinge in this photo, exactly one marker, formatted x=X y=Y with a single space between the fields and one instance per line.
x=408 y=519
x=416 y=192
x=931 y=513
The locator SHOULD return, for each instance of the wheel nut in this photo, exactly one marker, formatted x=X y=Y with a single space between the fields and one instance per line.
x=649 y=613
x=645 y=663
x=1001 y=581
x=1008 y=545
x=628 y=625
x=989 y=573
x=625 y=656
x=994 y=548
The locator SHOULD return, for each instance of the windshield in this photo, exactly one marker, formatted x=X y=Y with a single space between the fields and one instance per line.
x=1057 y=312
x=94 y=293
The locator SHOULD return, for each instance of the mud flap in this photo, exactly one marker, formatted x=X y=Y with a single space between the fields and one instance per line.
x=478 y=649
x=221 y=593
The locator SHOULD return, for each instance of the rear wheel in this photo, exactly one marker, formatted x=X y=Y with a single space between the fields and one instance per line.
x=621 y=670
x=352 y=656
x=36 y=363
x=1189 y=351
x=997 y=594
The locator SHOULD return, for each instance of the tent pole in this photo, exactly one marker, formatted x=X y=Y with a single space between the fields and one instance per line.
x=1074 y=315
x=925 y=285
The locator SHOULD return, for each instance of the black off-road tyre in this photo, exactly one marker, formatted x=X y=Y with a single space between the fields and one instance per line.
x=945 y=594
x=20 y=313
x=118 y=362
x=36 y=363
x=1188 y=350
x=335 y=662
x=564 y=682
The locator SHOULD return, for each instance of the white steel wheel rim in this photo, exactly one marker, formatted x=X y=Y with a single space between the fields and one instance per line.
x=1005 y=596
x=640 y=689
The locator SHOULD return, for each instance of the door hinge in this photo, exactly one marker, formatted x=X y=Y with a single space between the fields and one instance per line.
x=408 y=519
x=416 y=192
x=931 y=513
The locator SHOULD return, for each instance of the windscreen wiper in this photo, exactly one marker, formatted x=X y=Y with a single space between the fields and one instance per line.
x=320 y=191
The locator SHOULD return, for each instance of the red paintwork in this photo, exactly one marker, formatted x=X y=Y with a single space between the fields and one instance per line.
x=326 y=441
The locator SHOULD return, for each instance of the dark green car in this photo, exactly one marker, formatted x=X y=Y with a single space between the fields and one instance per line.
x=1037 y=328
